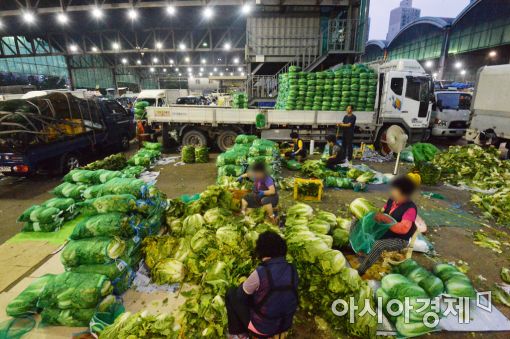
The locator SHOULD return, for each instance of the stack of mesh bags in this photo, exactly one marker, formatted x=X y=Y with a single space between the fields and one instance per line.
x=233 y=162
x=320 y=81
x=283 y=91
x=140 y=112
x=48 y=216
x=266 y=152
x=292 y=101
x=116 y=217
x=371 y=90
x=337 y=90
x=240 y=100
x=67 y=299
x=145 y=157
x=311 y=88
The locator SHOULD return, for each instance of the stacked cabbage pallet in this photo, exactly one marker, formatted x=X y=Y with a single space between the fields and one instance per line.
x=239 y=100
x=113 y=212
x=353 y=85
x=248 y=150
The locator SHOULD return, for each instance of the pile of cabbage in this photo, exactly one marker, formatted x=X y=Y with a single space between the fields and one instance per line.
x=210 y=248
x=338 y=179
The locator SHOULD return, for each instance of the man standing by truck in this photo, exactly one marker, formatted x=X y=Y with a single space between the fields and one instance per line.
x=348 y=124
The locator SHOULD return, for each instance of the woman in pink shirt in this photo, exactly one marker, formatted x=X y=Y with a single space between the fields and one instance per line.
x=404 y=211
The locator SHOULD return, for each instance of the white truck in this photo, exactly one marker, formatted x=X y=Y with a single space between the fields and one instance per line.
x=450 y=114
x=161 y=97
x=404 y=94
x=490 y=111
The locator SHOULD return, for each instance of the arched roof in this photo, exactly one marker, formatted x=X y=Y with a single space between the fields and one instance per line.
x=439 y=23
x=466 y=11
x=382 y=44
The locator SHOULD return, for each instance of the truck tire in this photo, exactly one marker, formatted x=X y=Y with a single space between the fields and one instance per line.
x=195 y=138
x=69 y=162
x=226 y=139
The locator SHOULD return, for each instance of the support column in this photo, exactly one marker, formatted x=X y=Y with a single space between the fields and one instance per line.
x=444 y=54
x=70 y=72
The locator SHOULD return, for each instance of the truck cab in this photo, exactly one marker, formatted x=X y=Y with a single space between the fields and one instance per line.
x=450 y=114
x=155 y=97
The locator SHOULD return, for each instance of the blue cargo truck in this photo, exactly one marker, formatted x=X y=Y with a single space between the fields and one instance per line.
x=58 y=132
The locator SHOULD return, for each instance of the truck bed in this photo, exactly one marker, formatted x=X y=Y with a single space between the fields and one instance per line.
x=182 y=114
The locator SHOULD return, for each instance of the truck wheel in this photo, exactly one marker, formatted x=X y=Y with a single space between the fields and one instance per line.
x=69 y=162
x=226 y=139
x=194 y=138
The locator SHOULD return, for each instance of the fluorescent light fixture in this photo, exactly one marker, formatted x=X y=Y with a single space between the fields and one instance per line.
x=182 y=46
x=170 y=10
x=132 y=14
x=221 y=74
x=73 y=48
x=164 y=70
x=124 y=61
x=201 y=69
x=236 y=60
x=231 y=74
x=189 y=69
x=152 y=69
x=204 y=44
x=215 y=69
x=203 y=61
x=159 y=45
x=171 y=61
x=458 y=64
x=246 y=9
x=240 y=69
x=434 y=75
x=139 y=62
x=492 y=54
x=97 y=13
x=62 y=18
x=180 y=74
x=200 y=74
x=176 y=69
x=116 y=45
x=210 y=74
x=187 y=59
x=208 y=13
x=429 y=64
x=1 y=24
x=227 y=46
x=28 y=17
x=242 y=74
x=463 y=72
x=94 y=49
x=155 y=60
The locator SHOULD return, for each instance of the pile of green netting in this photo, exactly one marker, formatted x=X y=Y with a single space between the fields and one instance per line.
x=140 y=112
x=248 y=150
x=195 y=154
x=353 y=85
x=239 y=100
x=144 y=157
x=48 y=216
x=67 y=299
x=210 y=247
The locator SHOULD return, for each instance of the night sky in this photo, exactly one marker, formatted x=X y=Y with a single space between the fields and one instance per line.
x=380 y=12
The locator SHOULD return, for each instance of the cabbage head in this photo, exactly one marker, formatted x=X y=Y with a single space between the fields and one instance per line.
x=340 y=237
x=319 y=226
x=183 y=249
x=215 y=215
x=344 y=223
x=329 y=217
x=360 y=207
x=314 y=249
x=300 y=210
x=331 y=262
x=192 y=224
x=168 y=271
x=217 y=274
x=200 y=240
x=327 y=239
x=228 y=235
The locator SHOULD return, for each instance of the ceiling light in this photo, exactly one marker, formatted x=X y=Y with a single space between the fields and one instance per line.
x=152 y=69
x=171 y=61
x=231 y=74
x=227 y=46
x=94 y=49
x=434 y=75
x=240 y=69
x=236 y=60
x=170 y=10
x=155 y=60
x=458 y=64
x=73 y=48
x=429 y=64
x=124 y=61
x=199 y=74
x=159 y=45
x=1 y=24
x=180 y=74
x=203 y=61
x=208 y=12
x=97 y=13
x=187 y=59
x=29 y=17
x=164 y=70
x=242 y=74
x=62 y=18
x=115 y=45
x=226 y=69
x=189 y=69
x=492 y=54
x=139 y=62
x=215 y=69
x=221 y=74
x=176 y=69
x=201 y=69
x=182 y=46
x=204 y=44
x=132 y=13
x=246 y=9
x=210 y=74
x=463 y=72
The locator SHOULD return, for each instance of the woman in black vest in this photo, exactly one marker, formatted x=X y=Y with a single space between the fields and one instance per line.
x=404 y=211
x=264 y=305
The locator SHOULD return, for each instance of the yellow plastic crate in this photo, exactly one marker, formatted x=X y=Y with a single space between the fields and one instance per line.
x=297 y=181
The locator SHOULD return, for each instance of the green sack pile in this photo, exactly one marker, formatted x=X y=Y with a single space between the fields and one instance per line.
x=114 y=162
x=140 y=112
x=353 y=85
x=188 y=154
x=421 y=276
x=67 y=299
x=201 y=154
x=49 y=216
x=239 y=100
x=144 y=157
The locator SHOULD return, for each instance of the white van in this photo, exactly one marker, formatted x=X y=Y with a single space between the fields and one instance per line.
x=161 y=97
x=450 y=114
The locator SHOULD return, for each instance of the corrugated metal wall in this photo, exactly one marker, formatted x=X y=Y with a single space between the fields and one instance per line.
x=282 y=36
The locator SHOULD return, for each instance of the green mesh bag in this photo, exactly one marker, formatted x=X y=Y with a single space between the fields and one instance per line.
x=124 y=186
x=42 y=227
x=108 y=224
x=202 y=154
x=367 y=231
x=122 y=203
x=16 y=328
x=74 y=290
x=69 y=190
x=99 y=250
x=188 y=154
x=79 y=175
x=119 y=273
x=152 y=146
x=245 y=138
x=132 y=171
x=69 y=317
x=230 y=170
x=26 y=302
x=231 y=157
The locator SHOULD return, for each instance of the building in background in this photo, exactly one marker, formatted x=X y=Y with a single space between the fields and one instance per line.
x=402 y=16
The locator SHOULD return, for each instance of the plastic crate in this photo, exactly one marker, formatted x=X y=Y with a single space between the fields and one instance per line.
x=298 y=181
